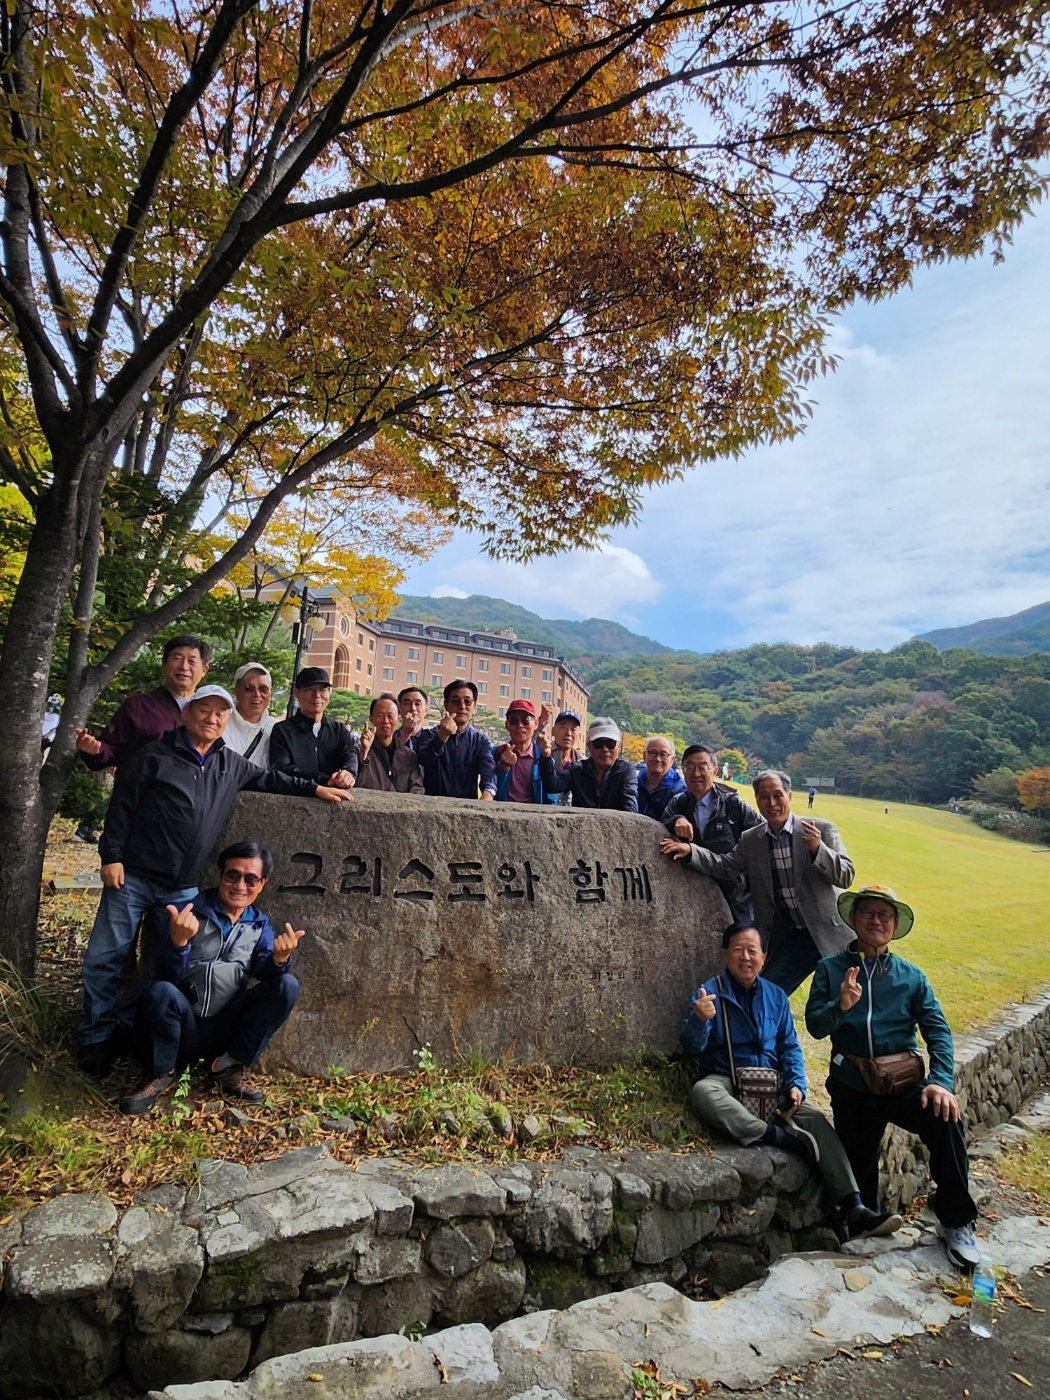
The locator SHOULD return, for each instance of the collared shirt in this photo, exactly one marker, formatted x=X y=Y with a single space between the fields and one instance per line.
x=458 y=766
x=182 y=737
x=705 y=807
x=139 y=720
x=782 y=868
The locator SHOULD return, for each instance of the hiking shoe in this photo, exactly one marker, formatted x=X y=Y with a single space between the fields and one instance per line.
x=863 y=1223
x=961 y=1244
x=235 y=1084
x=95 y=1060
x=797 y=1140
x=85 y=834
x=143 y=1099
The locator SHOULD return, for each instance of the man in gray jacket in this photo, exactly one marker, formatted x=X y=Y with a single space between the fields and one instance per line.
x=795 y=869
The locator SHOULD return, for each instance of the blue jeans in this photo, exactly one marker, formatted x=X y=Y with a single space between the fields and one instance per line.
x=173 y=1037
x=116 y=924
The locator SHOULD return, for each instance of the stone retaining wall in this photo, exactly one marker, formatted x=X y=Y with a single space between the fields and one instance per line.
x=996 y=1069
x=303 y=1251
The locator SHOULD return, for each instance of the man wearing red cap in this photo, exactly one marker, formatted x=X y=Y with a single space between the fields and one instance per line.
x=518 y=763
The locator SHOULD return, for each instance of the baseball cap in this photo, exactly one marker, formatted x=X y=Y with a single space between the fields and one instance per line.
x=526 y=705
x=568 y=714
x=312 y=675
x=248 y=667
x=603 y=728
x=206 y=692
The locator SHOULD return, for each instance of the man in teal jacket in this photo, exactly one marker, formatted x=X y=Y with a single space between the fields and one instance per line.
x=871 y=1002
x=755 y=1017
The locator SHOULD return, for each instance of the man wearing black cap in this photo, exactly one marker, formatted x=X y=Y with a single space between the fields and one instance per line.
x=565 y=750
x=310 y=746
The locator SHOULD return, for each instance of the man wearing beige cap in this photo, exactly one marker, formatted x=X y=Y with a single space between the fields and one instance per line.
x=248 y=728
x=603 y=779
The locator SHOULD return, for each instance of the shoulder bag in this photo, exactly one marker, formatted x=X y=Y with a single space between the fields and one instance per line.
x=757 y=1088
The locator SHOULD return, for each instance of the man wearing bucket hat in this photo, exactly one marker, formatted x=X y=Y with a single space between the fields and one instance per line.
x=603 y=779
x=170 y=801
x=248 y=728
x=871 y=1003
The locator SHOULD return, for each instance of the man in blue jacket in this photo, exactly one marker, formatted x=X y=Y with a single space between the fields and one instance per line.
x=518 y=763
x=456 y=758
x=201 y=1006
x=658 y=778
x=871 y=1003
x=755 y=1016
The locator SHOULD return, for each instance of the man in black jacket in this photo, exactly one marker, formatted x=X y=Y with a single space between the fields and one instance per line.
x=170 y=801
x=601 y=780
x=714 y=816
x=310 y=746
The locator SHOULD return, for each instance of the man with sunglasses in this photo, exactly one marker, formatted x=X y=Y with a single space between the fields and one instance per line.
x=518 y=763
x=456 y=758
x=201 y=1005
x=603 y=779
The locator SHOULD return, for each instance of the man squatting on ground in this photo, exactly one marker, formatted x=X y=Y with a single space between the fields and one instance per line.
x=871 y=1002
x=755 y=1016
x=200 y=1005
x=795 y=871
x=169 y=804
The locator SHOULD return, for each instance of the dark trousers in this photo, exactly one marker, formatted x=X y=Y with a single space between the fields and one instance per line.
x=792 y=956
x=860 y=1121
x=173 y=1037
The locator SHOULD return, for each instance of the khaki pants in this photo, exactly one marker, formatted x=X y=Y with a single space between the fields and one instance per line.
x=714 y=1103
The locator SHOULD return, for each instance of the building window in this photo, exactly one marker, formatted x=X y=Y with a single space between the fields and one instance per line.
x=461 y=662
x=504 y=668
x=344 y=626
x=370 y=668
x=342 y=668
x=526 y=693
x=437 y=657
x=483 y=665
x=526 y=671
x=389 y=649
x=483 y=687
x=360 y=639
x=388 y=673
x=412 y=677
x=371 y=644
x=502 y=713
x=357 y=690
x=504 y=690
x=357 y=664
x=435 y=680
x=546 y=675
x=413 y=653
x=546 y=697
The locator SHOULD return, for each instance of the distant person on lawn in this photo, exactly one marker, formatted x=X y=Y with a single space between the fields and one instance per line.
x=383 y=763
x=795 y=869
x=754 y=1015
x=603 y=779
x=309 y=745
x=871 y=1003
x=201 y=1007
x=658 y=778
x=169 y=804
x=713 y=815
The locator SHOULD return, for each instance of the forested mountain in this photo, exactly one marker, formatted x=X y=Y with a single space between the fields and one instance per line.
x=576 y=641
x=1017 y=635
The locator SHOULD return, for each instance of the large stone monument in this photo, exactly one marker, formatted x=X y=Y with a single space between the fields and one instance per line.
x=547 y=934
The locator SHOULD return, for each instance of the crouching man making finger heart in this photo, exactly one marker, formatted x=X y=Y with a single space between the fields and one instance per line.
x=200 y=1007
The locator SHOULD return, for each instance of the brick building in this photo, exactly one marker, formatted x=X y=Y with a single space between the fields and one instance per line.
x=370 y=657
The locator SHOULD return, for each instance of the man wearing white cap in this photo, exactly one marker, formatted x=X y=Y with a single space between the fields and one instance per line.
x=248 y=728
x=170 y=801
x=603 y=779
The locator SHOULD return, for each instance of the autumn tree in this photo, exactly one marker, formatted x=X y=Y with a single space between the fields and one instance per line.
x=514 y=261
x=1033 y=788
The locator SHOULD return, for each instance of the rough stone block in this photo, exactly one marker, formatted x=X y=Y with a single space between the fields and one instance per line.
x=394 y=1305
x=664 y=1234
x=490 y=1294
x=465 y=1355
x=377 y=1368
x=384 y=1260
x=54 y=1350
x=681 y=1181
x=68 y=1217
x=740 y=1221
x=481 y=977
x=570 y=1213
x=446 y=1193
x=601 y=1375
x=753 y=1165
x=159 y=1264
x=293 y=1327
x=60 y=1270
x=456 y=1249
x=184 y=1358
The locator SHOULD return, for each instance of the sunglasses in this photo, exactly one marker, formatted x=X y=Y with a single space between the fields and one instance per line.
x=238 y=877
x=519 y=717
x=603 y=743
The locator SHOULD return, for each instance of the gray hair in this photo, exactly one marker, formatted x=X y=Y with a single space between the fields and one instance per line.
x=775 y=774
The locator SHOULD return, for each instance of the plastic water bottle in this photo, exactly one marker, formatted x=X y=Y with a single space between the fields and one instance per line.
x=982 y=1300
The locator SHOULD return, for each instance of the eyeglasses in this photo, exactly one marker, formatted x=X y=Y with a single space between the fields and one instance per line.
x=238 y=877
x=603 y=743
x=876 y=916
x=519 y=717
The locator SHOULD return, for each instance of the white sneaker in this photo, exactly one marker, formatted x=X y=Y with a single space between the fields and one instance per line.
x=961 y=1244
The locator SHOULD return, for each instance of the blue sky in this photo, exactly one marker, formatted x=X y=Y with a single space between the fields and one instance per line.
x=919 y=496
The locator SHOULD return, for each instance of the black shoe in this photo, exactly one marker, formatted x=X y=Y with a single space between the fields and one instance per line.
x=143 y=1099
x=234 y=1083
x=863 y=1223
x=797 y=1140
x=85 y=834
x=95 y=1060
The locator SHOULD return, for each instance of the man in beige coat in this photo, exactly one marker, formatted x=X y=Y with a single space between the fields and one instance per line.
x=795 y=868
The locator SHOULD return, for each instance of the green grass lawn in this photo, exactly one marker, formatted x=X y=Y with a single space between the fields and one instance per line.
x=980 y=899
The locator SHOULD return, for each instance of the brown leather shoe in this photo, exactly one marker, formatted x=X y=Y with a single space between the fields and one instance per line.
x=143 y=1099
x=234 y=1083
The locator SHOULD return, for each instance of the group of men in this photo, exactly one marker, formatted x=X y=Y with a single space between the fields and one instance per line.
x=221 y=981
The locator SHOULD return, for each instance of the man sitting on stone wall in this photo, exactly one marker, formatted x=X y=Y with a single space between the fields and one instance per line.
x=754 y=1015
x=201 y=1006
x=456 y=758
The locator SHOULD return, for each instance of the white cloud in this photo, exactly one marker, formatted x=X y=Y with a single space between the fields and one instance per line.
x=611 y=581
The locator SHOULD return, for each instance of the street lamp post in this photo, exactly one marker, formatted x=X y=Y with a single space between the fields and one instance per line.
x=300 y=631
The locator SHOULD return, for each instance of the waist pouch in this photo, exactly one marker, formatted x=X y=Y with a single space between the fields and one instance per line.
x=889 y=1075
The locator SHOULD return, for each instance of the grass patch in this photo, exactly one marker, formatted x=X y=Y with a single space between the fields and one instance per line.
x=1027 y=1166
